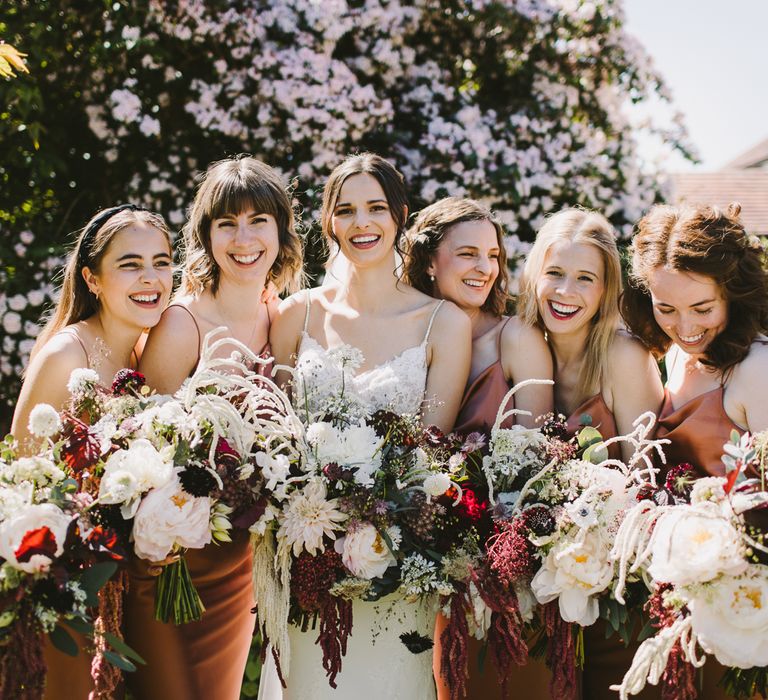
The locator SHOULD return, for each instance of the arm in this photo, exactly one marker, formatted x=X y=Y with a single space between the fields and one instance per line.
x=745 y=396
x=634 y=384
x=448 y=357
x=171 y=351
x=285 y=333
x=525 y=355
x=46 y=381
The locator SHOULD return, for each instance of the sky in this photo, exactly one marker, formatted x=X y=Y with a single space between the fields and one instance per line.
x=714 y=57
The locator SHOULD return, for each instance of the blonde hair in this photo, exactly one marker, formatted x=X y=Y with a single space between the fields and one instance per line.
x=232 y=186
x=592 y=228
x=76 y=301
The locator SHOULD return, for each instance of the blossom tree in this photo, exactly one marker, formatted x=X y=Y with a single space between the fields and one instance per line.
x=526 y=105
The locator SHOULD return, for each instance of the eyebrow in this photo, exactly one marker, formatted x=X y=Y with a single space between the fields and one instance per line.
x=136 y=256
x=698 y=303
x=370 y=201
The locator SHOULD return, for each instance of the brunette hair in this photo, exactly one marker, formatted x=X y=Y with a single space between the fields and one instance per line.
x=390 y=179
x=591 y=228
x=76 y=301
x=707 y=241
x=232 y=186
x=426 y=234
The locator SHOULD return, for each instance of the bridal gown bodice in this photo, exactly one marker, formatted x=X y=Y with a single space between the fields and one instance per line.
x=377 y=665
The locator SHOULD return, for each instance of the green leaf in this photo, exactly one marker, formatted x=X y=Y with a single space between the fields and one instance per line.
x=79 y=625
x=253 y=669
x=122 y=648
x=63 y=641
x=119 y=661
x=93 y=580
x=595 y=453
x=589 y=436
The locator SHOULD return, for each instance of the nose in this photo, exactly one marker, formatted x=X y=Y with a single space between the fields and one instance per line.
x=362 y=218
x=564 y=286
x=483 y=265
x=149 y=274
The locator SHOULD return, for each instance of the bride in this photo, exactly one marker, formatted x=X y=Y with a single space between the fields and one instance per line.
x=387 y=346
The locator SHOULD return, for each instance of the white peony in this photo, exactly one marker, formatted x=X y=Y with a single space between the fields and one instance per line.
x=44 y=421
x=129 y=473
x=357 y=446
x=82 y=380
x=167 y=518
x=274 y=469
x=694 y=544
x=575 y=571
x=308 y=517
x=730 y=618
x=708 y=488
x=29 y=518
x=365 y=552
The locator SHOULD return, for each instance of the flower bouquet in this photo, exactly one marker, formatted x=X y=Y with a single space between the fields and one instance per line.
x=702 y=547
x=53 y=563
x=361 y=506
x=557 y=504
x=171 y=473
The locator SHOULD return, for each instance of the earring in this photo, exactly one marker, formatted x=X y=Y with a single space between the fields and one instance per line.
x=95 y=293
x=431 y=278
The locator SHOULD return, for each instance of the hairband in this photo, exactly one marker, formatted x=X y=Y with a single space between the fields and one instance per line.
x=86 y=240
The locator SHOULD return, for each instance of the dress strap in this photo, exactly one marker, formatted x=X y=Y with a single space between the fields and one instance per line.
x=501 y=334
x=431 y=321
x=76 y=336
x=306 y=313
x=197 y=326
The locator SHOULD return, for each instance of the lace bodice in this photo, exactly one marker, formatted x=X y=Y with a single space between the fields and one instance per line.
x=325 y=374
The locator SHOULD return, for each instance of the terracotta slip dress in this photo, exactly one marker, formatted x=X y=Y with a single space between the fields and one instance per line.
x=202 y=660
x=698 y=430
x=477 y=414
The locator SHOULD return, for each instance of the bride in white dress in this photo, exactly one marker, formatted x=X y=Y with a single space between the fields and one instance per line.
x=386 y=345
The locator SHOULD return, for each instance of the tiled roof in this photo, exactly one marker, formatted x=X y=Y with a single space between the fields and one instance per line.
x=755 y=157
x=748 y=187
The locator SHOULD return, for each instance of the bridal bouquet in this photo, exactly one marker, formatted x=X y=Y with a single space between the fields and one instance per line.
x=704 y=551
x=366 y=506
x=53 y=561
x=170 y=473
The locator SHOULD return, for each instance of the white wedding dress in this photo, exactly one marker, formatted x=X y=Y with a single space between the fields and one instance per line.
x=377 y=665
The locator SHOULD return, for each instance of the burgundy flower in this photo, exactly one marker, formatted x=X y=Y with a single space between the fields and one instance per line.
x=433 y=436
x=680 y=480
x=128 y=381
x=104 y=540
x=81 y=449
x=38 y=541
x=225 y=455
x=471 y=507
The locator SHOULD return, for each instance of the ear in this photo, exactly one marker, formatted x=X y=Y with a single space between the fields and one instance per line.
x=431 y=268
x=90 y=280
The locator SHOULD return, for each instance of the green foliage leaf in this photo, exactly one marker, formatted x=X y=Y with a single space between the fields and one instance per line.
x=63 y=641
x=94 y=578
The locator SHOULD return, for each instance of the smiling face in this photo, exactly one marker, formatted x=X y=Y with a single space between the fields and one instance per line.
x=466 y=263
x=690 y=308
x=570 y=287
x=362 y=221
x=135 y=276
x=245 y=246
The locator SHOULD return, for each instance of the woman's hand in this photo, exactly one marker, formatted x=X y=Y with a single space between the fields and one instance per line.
x=155 y=568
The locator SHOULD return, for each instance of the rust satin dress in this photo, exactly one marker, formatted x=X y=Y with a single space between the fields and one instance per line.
x=605 y=660
x=202 y=660
x=477 y=414
x=698 y=430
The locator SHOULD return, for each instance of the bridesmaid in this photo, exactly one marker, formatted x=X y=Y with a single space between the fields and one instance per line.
x=420 y=368
x=455 y=251
x=698 y=296
x=570 y=289
x=240 y=237
x=117 y=281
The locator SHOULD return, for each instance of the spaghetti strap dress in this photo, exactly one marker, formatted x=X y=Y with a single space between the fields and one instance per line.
x=197 y=660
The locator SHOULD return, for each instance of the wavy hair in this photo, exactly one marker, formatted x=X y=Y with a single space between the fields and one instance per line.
x=232 y=186
x=591 y=228
x=707 y=241
x=76 y=301
x=426 y=234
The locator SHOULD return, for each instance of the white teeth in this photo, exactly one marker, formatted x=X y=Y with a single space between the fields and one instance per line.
x=563 y=308
x=474 y=283
x=692 y=338
x=149 y=298
x=246 y=259
x=364 y=239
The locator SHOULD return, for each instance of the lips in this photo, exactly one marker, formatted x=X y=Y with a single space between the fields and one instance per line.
x=691 y=339
x=246 y=260
x=364 y=242
x=148 y=299
x=474 y=284
x=563 y=312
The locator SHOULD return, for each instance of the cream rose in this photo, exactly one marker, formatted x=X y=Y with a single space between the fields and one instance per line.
x=169 y=517
x=29 y=518
x=365 y=553
x=694 y=545
x=730 y=618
